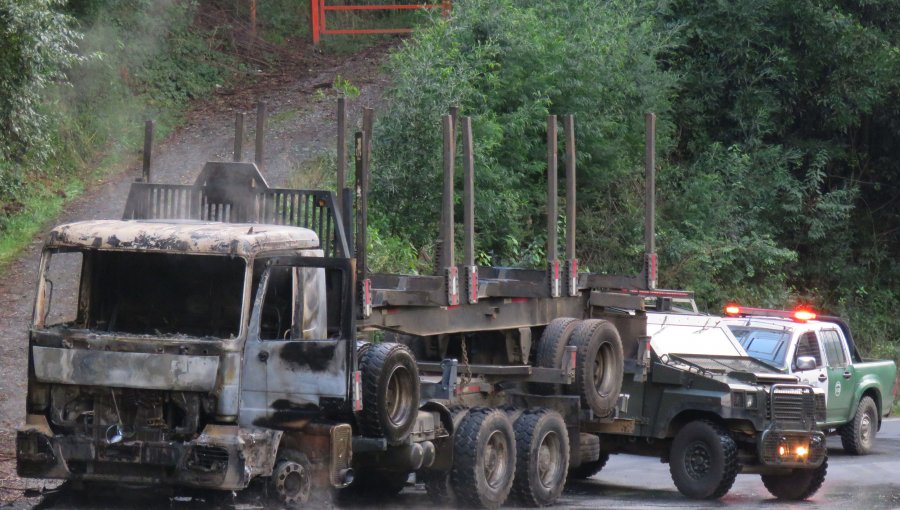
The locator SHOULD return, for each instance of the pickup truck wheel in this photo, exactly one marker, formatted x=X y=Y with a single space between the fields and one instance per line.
x=484 y=459
x=598 y=365
x=542 y=446
x=390 y=386
x=291 y=482
x=550 y=350
x=797 y=486
x=703 y=460
x=589 y=469
x=858 y=436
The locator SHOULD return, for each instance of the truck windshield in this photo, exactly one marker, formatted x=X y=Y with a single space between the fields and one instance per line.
x=768 y=345
x=677 y=334
x=143 y=293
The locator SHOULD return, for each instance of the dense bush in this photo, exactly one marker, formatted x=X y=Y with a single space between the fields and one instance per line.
x=37 y=46
x=508 y=64
x=779 y=164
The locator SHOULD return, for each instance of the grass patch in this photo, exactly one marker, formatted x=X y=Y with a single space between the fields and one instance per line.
x=37 y=209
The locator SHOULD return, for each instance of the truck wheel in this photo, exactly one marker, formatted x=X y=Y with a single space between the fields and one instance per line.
x=291 y=482
x=550 y=351
x=390 y=386
x=799 y=485
x=437 y=486
x=484 y=459
x=542 y=446
x=598 y=366
x=703 y=460
x=858 y=436
x=589 y=469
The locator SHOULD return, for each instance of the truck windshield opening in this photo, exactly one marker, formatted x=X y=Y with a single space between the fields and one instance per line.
x=151 y=294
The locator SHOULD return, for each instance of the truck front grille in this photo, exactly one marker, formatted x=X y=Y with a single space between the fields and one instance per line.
x=793 y=406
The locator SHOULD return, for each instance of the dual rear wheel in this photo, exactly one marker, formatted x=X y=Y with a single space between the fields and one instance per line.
x=494 y=457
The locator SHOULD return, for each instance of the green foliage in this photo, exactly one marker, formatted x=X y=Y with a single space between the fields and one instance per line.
x=508 y=64
x=36 y=48
x=806 y=93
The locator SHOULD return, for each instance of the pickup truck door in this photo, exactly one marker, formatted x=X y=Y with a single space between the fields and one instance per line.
x=840 y=377
x=808 y=345
x=295 y=358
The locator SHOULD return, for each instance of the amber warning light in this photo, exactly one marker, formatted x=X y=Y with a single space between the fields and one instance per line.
x=801 y=314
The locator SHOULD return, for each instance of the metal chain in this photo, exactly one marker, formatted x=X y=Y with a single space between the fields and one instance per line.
x=467 y=371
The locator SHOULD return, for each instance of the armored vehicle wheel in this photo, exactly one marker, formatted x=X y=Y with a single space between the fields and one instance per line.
x=390 y=386
x=703 y=460
x=858 y=436
x=589 y=469
x=484 y=459
x=799 y=485
x=550 y=350
x=542 y=446
x=598 y=366
x=291 y=482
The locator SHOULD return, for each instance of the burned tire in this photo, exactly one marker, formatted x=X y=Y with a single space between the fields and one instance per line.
x=542 y=450
x=390 y=387
x=589 y=469
x=703 y=460
x=598 y=366
x=858 y=436
x=550 y=350
x=290 y=485
x=797 y=486
x=484 y=459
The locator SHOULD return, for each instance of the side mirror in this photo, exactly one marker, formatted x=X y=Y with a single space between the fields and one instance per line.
x=806 y=363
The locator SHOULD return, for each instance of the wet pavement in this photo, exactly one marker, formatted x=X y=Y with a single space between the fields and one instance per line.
x=868 y=482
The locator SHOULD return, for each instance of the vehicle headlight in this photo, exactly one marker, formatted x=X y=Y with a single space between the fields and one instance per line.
x=750 y=401
x=743 y=400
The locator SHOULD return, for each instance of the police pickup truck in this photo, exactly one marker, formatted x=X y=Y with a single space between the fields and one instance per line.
x=820 y=350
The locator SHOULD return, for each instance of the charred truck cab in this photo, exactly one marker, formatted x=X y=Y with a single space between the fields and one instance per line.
x=211 y=337
x=193 y=352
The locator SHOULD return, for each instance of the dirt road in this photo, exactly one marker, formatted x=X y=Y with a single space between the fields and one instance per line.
x=301 y=127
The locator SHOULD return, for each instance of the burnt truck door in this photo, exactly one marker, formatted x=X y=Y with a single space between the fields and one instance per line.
x=297 y=359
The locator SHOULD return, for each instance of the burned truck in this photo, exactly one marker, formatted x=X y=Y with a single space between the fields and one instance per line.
x=213 y=337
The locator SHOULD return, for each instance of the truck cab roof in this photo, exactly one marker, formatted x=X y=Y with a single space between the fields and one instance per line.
x=181 y=236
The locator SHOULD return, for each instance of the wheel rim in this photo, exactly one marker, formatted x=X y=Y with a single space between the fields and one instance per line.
x=697 y=460
x=603 y=378
x=865 y=428
x=292 y=483
x=549 y=465
x=495 y=460
x=399 y=396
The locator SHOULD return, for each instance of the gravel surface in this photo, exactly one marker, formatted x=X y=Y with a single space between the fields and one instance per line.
x=301 y=126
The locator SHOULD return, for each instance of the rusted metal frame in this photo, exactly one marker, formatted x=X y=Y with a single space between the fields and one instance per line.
x=650 y=267
x=341 y=149
x=320 y=9
x=520 y=372
x=448 y=254
x=553 y=272
x=148 y=151
x=363 y=155
x=239 y=135
x=470 y=269
x=571 y=192
x=613 y=282
x=512 y=273
x=489 y=314
x=261 y=116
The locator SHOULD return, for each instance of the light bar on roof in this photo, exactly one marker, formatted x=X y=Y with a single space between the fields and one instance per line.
x=800 y=314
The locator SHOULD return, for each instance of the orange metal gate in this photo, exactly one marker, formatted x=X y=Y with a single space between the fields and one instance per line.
x=320 y=9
